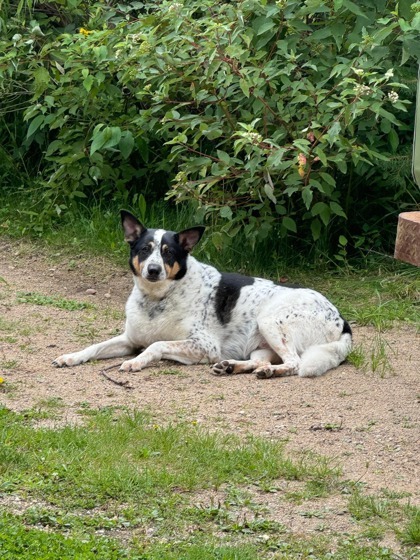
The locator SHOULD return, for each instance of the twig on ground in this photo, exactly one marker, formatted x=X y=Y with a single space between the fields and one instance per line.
x=126 y=384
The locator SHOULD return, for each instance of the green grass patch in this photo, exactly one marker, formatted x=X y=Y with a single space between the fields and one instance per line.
x=129 y=458
x=53 y=301
x=120 y=486
x=373 y=356
x=410 y=532
x=17 y=540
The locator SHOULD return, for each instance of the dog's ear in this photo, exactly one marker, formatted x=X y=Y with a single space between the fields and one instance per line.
x=131 y=226
x=188 y=238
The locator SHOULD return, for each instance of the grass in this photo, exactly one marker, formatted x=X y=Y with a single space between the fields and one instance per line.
x=53 y=301
x=373 y=356
x=83 y=466
x=119 y=486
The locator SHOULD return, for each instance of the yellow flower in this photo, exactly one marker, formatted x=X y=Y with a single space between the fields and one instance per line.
x=84 y=31
x=1 y=380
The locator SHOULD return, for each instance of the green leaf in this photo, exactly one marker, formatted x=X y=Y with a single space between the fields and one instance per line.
x=142 y=207
x=337 y=210
x=316 y=228
x=328 y=178
x=404 y=8
x=99 y=140
x=226 y=212
x=88 y=82
x=354 y=8
x=269 y=191
x=333 y=132
x=243 y=84
x=322 y=210
x=393 y=139
x=113 y=136
x=35 y=124
x=126 y=144
x=223 y=156
x=307 y=196
x=289 y=224
x=275 y=158
x=41 y=80
x=263 y=24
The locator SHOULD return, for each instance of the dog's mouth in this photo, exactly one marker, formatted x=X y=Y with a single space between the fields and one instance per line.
x=152 y=279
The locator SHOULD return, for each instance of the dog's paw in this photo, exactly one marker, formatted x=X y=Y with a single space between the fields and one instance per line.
x=132 y=365
x=264 y=372
x=66 y=360
x=222 y=368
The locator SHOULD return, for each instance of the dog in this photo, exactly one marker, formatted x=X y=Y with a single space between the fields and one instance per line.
x=183 y=310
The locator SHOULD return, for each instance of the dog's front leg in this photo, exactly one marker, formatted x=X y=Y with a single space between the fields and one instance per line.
x=184 y=351
x=113 y=348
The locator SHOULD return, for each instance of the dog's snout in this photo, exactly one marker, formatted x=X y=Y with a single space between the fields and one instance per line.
x=154 y=270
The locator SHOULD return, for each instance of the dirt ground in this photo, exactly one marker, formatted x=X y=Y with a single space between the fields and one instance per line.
x=368 y=422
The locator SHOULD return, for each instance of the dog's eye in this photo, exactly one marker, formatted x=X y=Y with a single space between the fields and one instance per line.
x=166 y=250
x=145 y=250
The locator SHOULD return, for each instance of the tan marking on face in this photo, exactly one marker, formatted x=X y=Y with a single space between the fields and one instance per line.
x=172 y=271
x=138 y=266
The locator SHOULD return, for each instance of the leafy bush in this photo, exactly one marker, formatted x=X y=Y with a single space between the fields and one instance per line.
x=270 y=118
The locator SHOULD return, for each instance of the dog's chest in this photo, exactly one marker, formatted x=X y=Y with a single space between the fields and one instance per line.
x=152 y=320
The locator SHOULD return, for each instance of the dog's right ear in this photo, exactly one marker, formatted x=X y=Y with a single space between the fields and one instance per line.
x=131 y=226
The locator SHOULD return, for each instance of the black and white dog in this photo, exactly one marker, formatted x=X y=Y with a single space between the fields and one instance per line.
x=181 y=309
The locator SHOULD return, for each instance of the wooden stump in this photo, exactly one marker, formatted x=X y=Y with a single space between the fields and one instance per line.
x=407 y=244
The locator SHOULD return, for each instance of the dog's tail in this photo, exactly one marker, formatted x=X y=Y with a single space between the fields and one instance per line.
x=318 y=359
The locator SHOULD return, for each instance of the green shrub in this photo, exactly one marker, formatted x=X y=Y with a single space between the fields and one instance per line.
x=272 y=118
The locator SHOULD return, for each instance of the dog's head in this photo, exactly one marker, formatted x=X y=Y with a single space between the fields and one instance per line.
x=158 y=255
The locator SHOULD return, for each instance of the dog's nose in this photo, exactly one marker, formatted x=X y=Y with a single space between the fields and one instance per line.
x=153 y=270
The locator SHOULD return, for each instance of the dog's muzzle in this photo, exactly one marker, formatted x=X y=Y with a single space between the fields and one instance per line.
x=153 y=272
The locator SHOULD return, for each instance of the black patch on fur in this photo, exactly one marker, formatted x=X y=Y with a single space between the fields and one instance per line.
x=346 y=328
x=141 y=248
x=227 y=294
x=174 y=254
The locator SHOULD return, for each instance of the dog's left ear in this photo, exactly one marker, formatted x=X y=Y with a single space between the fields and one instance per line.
x=131 y=226
x=189 y=238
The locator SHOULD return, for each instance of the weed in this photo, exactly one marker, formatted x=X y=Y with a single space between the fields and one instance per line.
x=9 y=364
x=8 y=339
x=53 y=301
x=374 y=358
x=7 y=325
x=379 y=357
x=410 y=532
x=171 y=371
x=357 y=357
x=19 y=541
x=368 y=507
x=87 y=332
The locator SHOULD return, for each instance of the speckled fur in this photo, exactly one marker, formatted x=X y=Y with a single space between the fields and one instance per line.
x=181 y=309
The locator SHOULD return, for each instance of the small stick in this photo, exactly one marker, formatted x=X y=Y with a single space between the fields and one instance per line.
x=125 y=384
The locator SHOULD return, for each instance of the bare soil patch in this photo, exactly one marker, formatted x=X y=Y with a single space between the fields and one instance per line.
x=369 y=423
